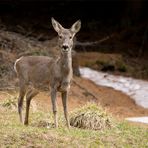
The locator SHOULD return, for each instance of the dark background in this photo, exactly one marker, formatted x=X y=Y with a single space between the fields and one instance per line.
x=112 y=28
x=109 y=12
x=99 y=19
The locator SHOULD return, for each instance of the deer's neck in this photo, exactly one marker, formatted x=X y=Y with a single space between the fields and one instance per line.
x=66 y=60
x=66 y=63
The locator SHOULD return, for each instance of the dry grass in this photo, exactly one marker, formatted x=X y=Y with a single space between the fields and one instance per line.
x=91 y=117
x=40 y=132
x=10 y=102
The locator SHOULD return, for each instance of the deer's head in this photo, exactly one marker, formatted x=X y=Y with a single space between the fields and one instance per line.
x=65 y=40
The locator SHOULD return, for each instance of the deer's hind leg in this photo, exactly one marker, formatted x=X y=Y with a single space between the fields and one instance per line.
x=30 y=94
x=22 y=93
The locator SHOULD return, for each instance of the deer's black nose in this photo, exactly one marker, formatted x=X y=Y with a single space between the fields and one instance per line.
x=65 y=47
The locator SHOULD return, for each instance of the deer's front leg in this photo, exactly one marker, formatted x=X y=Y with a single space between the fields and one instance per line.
x=64 y=101
x=54 y=105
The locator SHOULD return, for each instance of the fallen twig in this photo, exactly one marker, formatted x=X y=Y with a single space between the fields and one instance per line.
x=95 y=42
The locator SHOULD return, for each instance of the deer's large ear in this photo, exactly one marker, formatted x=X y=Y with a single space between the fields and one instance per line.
x=76 y=26
x=56 y=25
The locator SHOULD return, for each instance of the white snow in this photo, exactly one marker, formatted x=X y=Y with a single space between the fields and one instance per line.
x=136 y=89
x=138 y=119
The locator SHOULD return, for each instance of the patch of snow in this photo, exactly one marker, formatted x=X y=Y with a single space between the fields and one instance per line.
x=136 y=89
x=138 y=119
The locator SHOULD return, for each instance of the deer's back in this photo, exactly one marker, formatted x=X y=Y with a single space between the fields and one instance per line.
x=34 y=70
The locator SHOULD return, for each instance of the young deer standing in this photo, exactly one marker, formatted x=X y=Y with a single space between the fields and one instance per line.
x=36 y=71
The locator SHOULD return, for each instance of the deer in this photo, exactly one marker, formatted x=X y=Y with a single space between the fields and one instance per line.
x=54 y=73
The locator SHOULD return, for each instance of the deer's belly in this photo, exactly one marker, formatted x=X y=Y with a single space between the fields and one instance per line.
x=40 y=82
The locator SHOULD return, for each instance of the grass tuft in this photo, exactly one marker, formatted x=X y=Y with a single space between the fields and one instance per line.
x=91 y=117
x=9 y=103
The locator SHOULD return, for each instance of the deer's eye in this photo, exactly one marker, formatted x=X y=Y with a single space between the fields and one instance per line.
x=70 y=37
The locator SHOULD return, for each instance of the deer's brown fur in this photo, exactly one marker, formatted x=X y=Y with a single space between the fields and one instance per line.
x=41 y=71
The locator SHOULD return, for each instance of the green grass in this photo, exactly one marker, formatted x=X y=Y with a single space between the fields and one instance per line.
x=15 y=135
